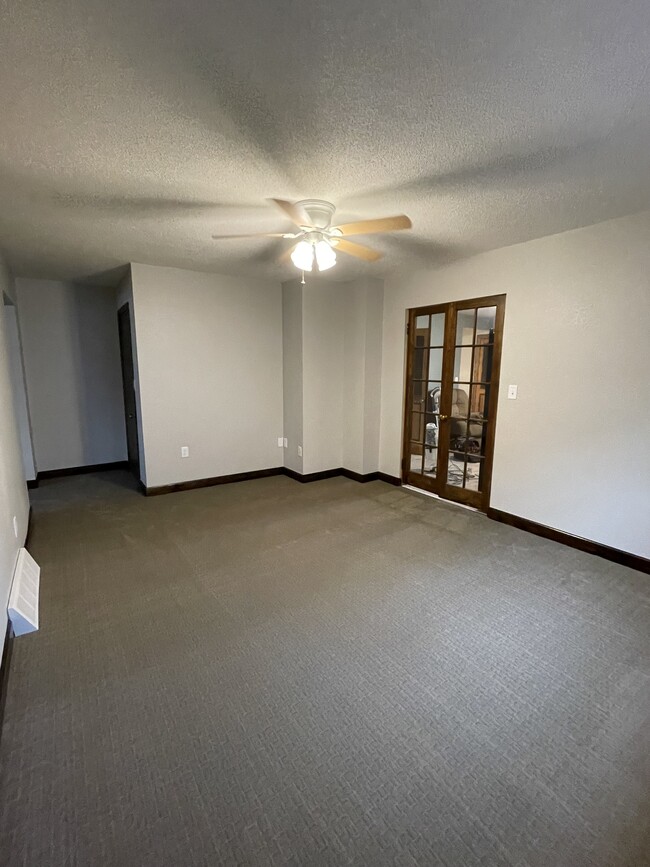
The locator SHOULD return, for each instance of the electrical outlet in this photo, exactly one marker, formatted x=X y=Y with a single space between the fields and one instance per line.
x=15 y=527
x=285 y=442
x=280 y=442
x=512 y=392
x=299 y=451
x=185 y=451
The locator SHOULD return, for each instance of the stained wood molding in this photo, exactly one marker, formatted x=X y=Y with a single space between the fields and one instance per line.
x=633 y=561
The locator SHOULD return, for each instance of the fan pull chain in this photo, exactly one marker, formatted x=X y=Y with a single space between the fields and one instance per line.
x=302 y=282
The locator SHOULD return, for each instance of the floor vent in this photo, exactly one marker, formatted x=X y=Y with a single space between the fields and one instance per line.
x=23 y=599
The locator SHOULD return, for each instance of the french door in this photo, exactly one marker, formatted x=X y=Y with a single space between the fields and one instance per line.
x=452 y=384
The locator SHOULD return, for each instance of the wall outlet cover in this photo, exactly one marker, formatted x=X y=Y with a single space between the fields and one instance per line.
x=285 y=442
x=185 y=451
x=299 y=451
x=512 y=392
x=280 y=442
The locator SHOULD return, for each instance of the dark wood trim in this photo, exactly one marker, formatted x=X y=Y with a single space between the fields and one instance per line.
x=359 y=477
x=633 y=561
x=4 y=671
x=214 y=480
x=342 y=471
x=303 y=478
x=390 y=480
x=312 y=477
x=31 y=484
x=76 y=471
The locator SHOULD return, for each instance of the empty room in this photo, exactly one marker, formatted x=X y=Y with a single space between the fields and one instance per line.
x=324 y=433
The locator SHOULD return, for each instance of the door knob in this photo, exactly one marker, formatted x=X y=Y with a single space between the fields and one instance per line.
x=443 y=417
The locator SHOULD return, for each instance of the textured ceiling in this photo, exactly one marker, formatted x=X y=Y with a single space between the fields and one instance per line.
x=133 y=130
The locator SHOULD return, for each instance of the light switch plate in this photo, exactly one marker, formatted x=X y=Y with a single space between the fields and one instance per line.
x=299 y=451
x=185 y=451
x=512 y=392
x=285 y=442
x=280 y=442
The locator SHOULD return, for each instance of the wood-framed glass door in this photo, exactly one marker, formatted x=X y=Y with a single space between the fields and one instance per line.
x=452 y=379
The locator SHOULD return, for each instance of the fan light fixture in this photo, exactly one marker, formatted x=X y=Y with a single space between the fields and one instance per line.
x=316 y=240
x=317 y=248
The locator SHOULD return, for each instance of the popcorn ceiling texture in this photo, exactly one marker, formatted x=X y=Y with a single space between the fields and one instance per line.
x=132 y=131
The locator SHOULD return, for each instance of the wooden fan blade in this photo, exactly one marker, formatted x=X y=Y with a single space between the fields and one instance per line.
x=256 y=235
x=295 y=213
x=358 y=250
x=371 y=227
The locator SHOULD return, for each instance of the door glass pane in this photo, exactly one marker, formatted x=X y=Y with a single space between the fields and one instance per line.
x=437 y=337
x=416 y=457
x=485 y=322
x=463 y=363
x=435 y=364
x=433 y=397
x=465 y=326
x=418 y=392
x=431 y=462
x=479 y=396
x=421 y=322
x=417 y=427
x=456 y=470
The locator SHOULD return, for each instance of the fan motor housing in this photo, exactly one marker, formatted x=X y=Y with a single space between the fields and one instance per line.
x=321 y=212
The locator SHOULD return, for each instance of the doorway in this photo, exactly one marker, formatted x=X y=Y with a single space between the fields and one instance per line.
x=452 y=385
x=128 y=387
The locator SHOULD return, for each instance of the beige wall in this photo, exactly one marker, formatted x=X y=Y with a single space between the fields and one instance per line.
x=292 y=374
x=13 y=489
x=209 y=351
x=570 y=452
x=73 y=373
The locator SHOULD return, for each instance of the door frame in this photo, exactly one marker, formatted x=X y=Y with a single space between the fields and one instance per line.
x=438 y=485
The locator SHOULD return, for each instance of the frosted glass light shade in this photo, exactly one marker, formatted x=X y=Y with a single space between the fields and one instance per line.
x=325 y=256
x=303 y=256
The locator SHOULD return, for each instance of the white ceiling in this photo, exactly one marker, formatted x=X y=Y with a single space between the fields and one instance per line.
x=133 y=130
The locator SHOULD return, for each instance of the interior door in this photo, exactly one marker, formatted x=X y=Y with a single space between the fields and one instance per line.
x=128 y=386
x=452 y=377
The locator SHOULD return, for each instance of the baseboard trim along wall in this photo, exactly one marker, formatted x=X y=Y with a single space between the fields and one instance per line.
x=76 y=471
x=633 y=561
x=214 y=480
x=4 y=672
x=273 y=471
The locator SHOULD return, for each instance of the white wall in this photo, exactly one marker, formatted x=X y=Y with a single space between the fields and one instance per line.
x=323 y=324
x=362 y=375
x=332 y=391
x=292 y=374
x=73 y=373
x=19 y=388
x=13 y=490
x=571 y=452
x=210 y=372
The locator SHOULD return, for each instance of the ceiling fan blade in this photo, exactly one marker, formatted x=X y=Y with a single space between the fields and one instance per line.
x=358 y=250
x=296 y=214
x=257 y=235
x=370 y=227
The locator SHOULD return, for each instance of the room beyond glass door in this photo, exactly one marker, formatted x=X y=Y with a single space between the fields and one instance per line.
x=452 y=382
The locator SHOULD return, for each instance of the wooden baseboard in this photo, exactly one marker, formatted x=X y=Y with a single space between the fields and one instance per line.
x=633 y=561
x=390 y=480
x=76 y=471
x=4 y=671
x=341 y=471
x=214 y=480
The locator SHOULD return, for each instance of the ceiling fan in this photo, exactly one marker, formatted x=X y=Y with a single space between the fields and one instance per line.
x=317 y=240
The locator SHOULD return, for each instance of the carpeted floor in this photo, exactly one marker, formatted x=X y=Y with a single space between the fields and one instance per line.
x=270 y=673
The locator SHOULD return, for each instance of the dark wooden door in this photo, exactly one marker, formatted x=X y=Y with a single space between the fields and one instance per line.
x=128 y=386
x=452 y=379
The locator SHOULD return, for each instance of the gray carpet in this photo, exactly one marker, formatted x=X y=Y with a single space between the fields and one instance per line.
x=270 y=673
